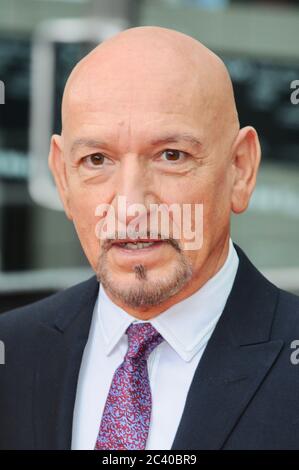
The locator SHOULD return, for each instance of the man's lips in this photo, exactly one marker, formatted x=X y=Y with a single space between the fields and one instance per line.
x=140 y=245
x=120 y=243
x=137 y=240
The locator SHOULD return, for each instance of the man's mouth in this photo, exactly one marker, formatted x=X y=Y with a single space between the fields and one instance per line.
x=137 y=244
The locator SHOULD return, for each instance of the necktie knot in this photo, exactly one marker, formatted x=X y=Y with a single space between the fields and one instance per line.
x=142 y=338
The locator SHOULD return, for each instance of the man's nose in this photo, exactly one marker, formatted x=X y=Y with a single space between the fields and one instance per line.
x=133 y=183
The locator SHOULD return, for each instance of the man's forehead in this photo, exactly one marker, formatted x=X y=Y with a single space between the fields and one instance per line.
x=121 y=105
x=150 y=122
x=150 y=84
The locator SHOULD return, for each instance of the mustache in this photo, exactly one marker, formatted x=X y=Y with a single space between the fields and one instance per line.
x=107 y=242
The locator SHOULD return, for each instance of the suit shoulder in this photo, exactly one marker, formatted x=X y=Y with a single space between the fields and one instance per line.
x=44 y=309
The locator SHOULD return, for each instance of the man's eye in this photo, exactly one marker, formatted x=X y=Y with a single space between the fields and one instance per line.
x=97 y=159
x=173 y=155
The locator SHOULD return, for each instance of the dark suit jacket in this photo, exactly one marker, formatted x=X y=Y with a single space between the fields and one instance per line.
x=244 y=394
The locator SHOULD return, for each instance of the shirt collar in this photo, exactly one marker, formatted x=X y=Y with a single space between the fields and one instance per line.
x=187 y=325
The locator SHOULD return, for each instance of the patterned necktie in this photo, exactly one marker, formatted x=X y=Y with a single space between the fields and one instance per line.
x=126 y=417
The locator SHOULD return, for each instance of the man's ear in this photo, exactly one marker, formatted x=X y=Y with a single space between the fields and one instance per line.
x=246 y=156
x=57 y=166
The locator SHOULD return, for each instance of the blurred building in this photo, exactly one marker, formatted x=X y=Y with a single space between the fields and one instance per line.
x=258 y=40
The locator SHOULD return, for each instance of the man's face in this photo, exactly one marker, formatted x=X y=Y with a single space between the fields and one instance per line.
x=153 y=138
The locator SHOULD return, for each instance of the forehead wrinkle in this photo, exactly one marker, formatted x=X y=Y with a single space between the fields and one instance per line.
x=86 y=142
x=176 y=138
x=169 y=138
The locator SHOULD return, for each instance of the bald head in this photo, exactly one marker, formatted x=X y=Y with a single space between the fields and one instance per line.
x=171 y=68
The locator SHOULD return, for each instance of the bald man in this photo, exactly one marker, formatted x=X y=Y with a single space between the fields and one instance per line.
x=171 y=344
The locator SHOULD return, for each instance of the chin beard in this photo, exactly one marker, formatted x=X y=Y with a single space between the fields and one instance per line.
x=144 y=293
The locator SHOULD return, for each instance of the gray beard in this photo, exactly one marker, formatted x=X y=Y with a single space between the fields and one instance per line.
x=145 y=293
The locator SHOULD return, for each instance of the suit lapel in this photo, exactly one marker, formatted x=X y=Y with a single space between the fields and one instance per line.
x=62 y=343
x=234 y=364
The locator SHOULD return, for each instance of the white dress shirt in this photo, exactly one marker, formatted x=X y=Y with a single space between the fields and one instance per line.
x=186 y=327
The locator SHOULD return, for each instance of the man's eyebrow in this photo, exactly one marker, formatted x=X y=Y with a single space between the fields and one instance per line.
x=86 y=142
x=177 y=138
x=167 y=139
